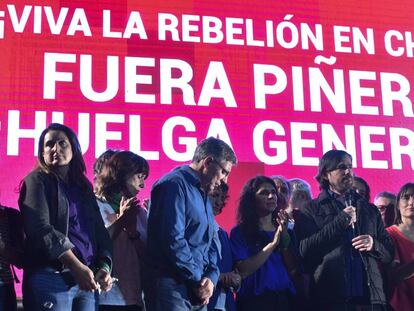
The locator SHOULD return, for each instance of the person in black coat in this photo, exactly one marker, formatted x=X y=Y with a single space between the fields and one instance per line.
x=68 y=251
x=342 y=238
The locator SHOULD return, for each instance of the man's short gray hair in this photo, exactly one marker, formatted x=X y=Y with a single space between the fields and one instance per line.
x=215 y=148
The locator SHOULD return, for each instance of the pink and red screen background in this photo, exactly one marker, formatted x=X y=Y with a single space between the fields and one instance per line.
x=21 y=84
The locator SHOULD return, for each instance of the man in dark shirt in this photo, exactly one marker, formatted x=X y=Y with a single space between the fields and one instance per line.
x=181 y=228
x=342 y=238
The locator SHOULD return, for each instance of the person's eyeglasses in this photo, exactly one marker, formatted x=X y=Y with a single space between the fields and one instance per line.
x=223 y=170
x=382 y=208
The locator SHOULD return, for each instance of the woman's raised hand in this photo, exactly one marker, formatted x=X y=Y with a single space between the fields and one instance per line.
x=276 y=237
x=126 y=204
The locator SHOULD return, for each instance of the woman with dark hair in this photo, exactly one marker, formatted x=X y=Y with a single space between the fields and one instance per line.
x=116 y=188
x=283 y=190
x=257 y=243
x=229 y=279
x=68 y=250
x=100 y=162
x=401 y=271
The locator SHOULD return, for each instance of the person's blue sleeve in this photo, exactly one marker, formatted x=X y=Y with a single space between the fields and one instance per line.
x=172 y=201
x=213 y=271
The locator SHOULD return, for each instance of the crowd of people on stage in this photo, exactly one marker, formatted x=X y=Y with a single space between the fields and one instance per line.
x=96 y=246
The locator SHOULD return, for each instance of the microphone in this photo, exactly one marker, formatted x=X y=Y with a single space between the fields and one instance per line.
x=349 y=201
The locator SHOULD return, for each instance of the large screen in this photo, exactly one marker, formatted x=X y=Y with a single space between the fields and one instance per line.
x=280 y=81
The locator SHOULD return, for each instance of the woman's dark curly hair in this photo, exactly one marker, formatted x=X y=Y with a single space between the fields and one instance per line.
x=247 y=216
x=117 y=170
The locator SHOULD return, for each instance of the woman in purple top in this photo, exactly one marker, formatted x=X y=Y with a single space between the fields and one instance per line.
x=257 y=242
x=68 y=250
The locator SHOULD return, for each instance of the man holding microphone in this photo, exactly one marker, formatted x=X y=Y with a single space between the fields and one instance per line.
x=341 y=239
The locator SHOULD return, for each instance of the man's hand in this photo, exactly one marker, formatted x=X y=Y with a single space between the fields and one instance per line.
x=205 y=290
x=351 y=211
x=363 y=243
